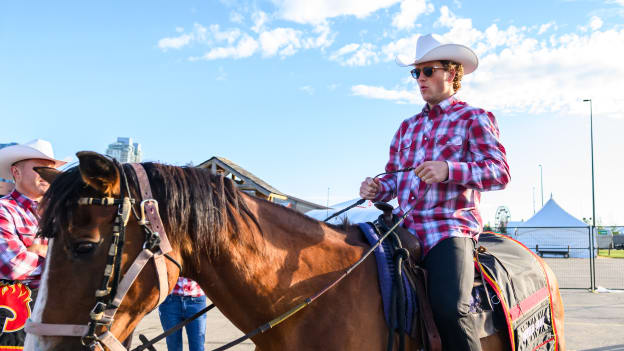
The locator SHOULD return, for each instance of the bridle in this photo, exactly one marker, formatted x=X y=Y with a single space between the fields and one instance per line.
x=113 y=288
x=156 y=246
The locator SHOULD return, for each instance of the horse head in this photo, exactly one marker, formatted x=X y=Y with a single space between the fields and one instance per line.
x=92 y=288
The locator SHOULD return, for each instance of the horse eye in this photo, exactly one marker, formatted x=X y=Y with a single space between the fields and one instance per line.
x=84 y=248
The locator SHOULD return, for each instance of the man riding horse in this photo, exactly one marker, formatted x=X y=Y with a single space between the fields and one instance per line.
x=457 y=154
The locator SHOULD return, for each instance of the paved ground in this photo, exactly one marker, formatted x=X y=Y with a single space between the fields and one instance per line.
x=594 y=322
x=575 y=273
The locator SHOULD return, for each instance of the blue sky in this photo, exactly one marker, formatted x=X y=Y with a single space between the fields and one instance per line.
x=306 y=94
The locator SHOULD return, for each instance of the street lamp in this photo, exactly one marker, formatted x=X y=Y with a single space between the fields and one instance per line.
x=541 y=184
x=591 y=243
x=591 y=136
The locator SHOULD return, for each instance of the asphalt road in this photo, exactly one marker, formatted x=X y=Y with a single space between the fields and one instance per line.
x=594 y=322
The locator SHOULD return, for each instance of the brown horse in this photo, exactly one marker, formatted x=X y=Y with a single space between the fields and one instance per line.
x=254 y=259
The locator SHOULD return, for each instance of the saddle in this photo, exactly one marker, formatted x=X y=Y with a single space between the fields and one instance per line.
x=510 y=291
x=423 y=325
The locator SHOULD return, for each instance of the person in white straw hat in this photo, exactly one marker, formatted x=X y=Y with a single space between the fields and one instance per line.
x=456 y=154
x=22 y=254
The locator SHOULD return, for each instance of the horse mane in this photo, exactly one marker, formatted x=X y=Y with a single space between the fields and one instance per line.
x=191 y=200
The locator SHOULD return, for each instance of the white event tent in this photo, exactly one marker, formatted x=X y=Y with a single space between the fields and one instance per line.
x=553 y=228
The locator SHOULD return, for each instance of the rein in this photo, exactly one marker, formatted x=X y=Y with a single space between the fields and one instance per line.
x=361 y=201
x=111 y=292
x=271 y=324
x=157 y=246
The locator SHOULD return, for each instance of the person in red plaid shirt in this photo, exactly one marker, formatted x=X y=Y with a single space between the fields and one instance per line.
x=186 y=299
x=22 y=254
x=457 y=154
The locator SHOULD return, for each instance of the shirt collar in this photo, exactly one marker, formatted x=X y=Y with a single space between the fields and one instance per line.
x=23 y=200
x=444 y=105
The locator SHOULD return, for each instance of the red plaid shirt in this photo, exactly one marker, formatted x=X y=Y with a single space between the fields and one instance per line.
x=467 y=138
x=187 y=287
x=18 y=227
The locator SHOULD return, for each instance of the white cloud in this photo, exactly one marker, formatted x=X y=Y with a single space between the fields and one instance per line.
x=410 y=11
x=246 y=47
x=285 y=40
x=175 y=42
x=199 y=34
x=595 y=23
x=374 y=92
x=229 y=35
x=461 y=30
x=259 y=18
x=536 y=76
x=544 y=27
x=307 y=89
x=306 y=11
x=324 y=39
x=519 y=73
x=236 y=17
x=356 y=55
x=403 y=46
x=234 y=43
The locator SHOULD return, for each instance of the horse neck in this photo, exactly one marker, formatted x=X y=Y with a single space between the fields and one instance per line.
x=264 y=270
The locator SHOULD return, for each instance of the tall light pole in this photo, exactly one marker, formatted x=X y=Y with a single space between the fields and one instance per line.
x=591 y=136
x=591 y=244
x=541 y=184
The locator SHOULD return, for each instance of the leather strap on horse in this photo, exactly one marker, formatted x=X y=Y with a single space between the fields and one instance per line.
x=103 y=313
x=156 y=225
x=271 y=324
x=433 y=340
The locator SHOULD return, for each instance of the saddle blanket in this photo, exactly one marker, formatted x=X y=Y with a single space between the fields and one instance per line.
x=386 y=269
x=522 y=290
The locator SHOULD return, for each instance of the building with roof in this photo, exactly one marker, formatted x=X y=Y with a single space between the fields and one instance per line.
x=125 y=151
x=251 y=184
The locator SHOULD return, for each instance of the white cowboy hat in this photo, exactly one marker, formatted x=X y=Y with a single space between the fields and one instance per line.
x=429 y=48
x=37 y=148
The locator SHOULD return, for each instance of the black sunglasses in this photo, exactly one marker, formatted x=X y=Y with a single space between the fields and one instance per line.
x=428 y=71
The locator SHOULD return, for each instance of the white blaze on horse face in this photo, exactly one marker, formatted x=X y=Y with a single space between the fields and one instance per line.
x=36 y=342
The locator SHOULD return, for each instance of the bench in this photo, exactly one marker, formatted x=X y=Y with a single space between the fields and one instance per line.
x=618 y=242
x=562 y=251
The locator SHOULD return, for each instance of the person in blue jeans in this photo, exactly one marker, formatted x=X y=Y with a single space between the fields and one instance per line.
x=186 y=299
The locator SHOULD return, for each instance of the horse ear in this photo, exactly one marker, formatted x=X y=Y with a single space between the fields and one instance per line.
x=99 y=172
x=47 y=173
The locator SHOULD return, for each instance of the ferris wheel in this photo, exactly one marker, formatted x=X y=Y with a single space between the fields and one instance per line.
x=502 y=216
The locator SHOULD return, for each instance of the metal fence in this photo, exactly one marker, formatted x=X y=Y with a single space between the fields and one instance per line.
x=581 y=258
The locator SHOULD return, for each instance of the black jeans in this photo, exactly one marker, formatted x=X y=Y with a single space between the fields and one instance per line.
x=450 y=272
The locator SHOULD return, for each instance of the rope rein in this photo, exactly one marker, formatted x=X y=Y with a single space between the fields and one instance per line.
x=273 y=323
x=361 y=201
